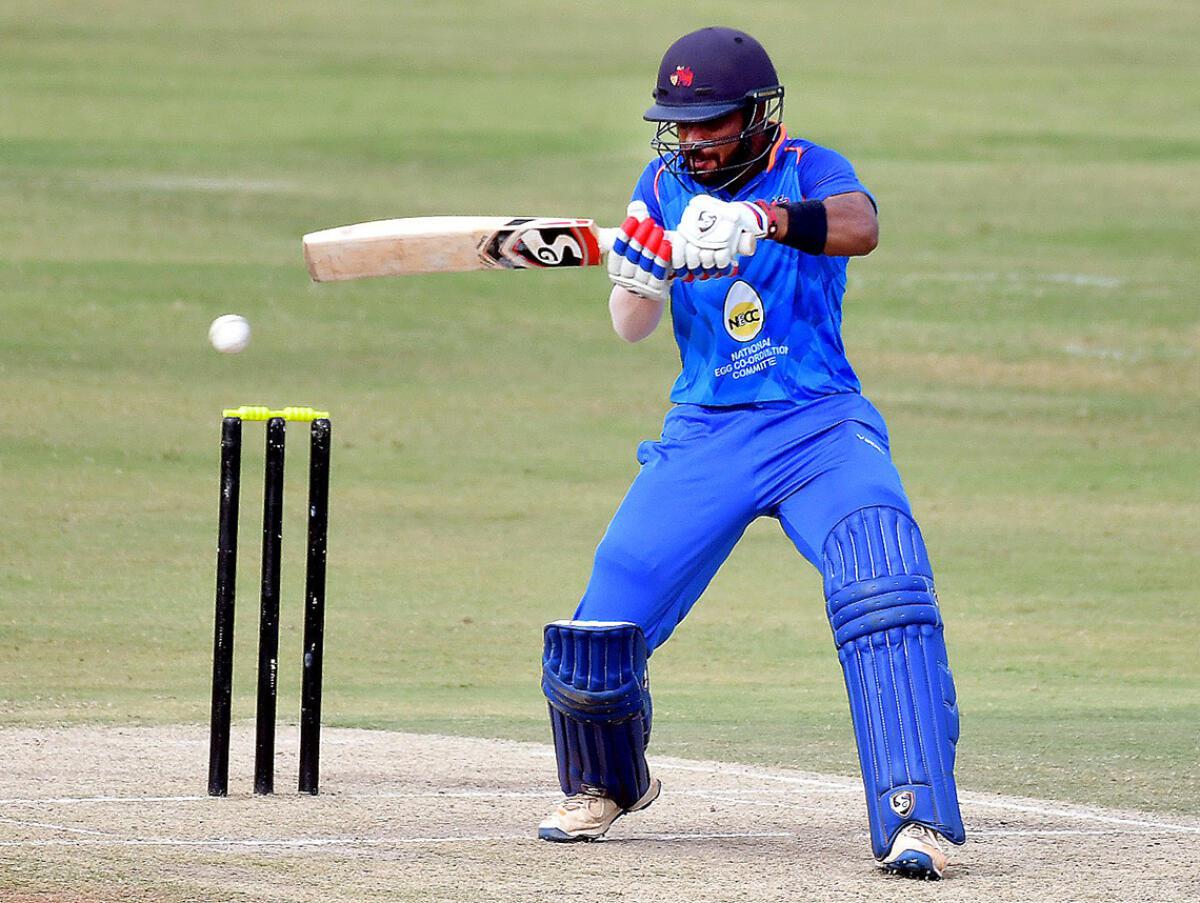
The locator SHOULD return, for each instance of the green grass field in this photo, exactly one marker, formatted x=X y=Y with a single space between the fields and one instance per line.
x=1028 y=326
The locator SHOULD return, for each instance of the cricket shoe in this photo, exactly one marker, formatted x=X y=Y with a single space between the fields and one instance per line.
x=916 y=853
x=589 y=814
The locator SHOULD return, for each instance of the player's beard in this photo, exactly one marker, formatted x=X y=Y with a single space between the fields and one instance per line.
x=711 y=175
x=721 y=173
x=749 y=156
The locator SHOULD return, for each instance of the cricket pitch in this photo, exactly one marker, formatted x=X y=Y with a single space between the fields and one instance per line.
x=104 y=813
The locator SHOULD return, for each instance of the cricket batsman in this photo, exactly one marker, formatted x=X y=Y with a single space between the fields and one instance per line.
x=746 y=231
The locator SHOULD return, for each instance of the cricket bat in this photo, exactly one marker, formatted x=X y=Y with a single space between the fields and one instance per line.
x=453 y=244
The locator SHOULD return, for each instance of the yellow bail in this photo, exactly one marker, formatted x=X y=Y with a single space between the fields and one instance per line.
x=262 y=412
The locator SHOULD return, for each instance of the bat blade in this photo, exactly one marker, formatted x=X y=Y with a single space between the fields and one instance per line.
x=452 y=244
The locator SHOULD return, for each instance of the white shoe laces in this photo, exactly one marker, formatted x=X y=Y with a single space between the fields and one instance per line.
x=925 y=834
x=579 y=801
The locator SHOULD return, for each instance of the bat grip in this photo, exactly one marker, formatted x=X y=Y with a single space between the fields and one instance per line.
x=605 y=238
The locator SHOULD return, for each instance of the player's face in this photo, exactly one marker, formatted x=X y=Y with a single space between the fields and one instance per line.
x=704 y=162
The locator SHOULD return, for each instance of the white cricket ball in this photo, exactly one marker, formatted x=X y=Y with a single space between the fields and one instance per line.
x=229 y=334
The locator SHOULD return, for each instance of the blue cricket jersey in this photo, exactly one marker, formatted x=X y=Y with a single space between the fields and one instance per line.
x=773 y=331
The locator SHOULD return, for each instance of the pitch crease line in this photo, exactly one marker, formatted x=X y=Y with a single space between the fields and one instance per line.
x=548 y=794
x=457 y=794
x=1055 y=832
x=1082 y=815
x=73 y=800
x=47 y=826
x=969 y=799
x=359 y=841
x=743 y=772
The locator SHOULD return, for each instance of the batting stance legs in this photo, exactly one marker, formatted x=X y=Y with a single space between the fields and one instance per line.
x=594 y=677
x=888 y=631
x=840 y=500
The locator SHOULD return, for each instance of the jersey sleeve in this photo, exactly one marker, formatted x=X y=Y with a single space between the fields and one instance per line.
x=646 y=190
x=825 y=172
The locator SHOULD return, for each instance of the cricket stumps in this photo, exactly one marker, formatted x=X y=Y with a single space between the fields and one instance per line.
x=268 y=637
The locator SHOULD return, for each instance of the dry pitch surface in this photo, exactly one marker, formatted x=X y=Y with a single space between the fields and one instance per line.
x=118 y=814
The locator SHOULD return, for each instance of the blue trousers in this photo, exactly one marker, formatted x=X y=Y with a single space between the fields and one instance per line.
x=713 y=472
x=824 y=471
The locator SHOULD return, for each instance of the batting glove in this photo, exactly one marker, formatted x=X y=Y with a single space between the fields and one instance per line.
x=714 y=233
x=641 y=257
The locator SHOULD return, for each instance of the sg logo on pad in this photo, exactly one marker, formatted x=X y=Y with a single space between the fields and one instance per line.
x=902 y=803
x=743 y=312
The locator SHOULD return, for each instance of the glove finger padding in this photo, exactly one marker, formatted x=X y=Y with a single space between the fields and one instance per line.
x=637 y=245
x=723 y=259
x=626 y=266
x=640 y=260
x=678 y=254
x=719 y=232
x=666 y=254
x=651 y=261
x=655 y=266
x=620 y=246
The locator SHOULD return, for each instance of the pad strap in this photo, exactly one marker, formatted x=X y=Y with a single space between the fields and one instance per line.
x=595 y=680
x=888 y=630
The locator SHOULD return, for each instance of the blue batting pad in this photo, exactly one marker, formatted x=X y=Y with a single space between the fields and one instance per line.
x=594 y=677
x=888 y=630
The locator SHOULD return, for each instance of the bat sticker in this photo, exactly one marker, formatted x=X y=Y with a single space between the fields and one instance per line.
x=541 y=245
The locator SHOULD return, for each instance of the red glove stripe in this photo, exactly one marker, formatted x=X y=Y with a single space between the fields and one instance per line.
x=653 y=241
x=644 y=229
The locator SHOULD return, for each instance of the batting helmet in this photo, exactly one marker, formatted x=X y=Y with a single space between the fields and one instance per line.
x=712 y=72
x=708 y=74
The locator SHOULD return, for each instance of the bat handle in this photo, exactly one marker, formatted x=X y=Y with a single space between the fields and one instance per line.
x=605 y=238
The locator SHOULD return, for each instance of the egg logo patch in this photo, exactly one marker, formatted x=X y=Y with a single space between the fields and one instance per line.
x=743 y=312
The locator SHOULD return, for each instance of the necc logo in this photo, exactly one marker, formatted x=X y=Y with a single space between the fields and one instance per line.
x=743 y=312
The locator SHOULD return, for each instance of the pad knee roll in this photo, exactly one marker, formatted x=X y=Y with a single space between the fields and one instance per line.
x=888 y=631
x=595 y=680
